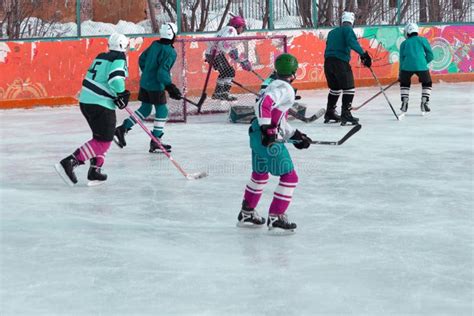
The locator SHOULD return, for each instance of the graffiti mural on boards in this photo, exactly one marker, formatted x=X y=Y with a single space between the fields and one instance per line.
x=53 y=69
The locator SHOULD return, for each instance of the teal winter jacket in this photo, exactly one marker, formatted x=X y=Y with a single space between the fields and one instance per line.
x=339 y=43
x=156 y=63
x=415 y=54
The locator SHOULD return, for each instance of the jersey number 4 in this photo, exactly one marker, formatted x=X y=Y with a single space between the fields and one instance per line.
x=93 y=71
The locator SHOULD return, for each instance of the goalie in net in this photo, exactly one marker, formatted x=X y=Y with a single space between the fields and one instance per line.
x=197 y=77
x=216 y=56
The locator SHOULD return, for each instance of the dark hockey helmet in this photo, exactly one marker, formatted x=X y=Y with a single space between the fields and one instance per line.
x=286 y=65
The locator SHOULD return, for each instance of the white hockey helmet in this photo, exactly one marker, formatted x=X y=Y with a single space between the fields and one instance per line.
x=348 y=17
x=168 y=30
x=118 y=42
x=411 y=28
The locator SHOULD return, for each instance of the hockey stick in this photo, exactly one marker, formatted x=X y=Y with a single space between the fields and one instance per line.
x=189 y=176
x=374 y=96
x=385 y=95
x=257 y=74
x=292 y=112
x=204 y=94
x=199 y=103
x=348 y=135
x=310 y=119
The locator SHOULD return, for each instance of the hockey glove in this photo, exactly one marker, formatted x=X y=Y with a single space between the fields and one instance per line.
x=246 y=65
x=366 y=59
x=121 y=101
x=234 y=54
x=297 y=97
x=269 y=135
x=302 y=141
x=173 y=92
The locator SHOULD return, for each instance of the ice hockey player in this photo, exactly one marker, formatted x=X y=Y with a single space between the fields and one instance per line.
x=103 y=89
x=215 y=54
x=338 y=71
x=269 y=154
x=415 y=54
x=155 y=63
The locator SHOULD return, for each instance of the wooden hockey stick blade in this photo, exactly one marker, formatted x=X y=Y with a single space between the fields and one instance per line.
x=374 y=96
x=352 y=131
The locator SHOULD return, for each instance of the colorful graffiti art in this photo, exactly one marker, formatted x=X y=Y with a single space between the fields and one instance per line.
x=452 y=46
x=53 y=70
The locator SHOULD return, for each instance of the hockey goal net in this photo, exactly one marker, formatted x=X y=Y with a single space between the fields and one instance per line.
x=191 y=70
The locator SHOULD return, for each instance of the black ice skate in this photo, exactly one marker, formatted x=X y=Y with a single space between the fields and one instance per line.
x=65 y=169
x=248 y=217
x=404 y=106
x=347 y=118
x=94 y=175
x=154 y=148
x=119 y=136
x=331 y=116
x=424 y=105
x=280 y=222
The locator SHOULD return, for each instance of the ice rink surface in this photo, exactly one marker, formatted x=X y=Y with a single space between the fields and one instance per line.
x=385 y=221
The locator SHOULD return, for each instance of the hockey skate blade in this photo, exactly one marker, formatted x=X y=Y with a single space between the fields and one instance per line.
x=117 y=142
x=249 y=225
x=401 y=116
x=63 y=175
x=159 y=151
x=197 y=175
x=95 y=183
x=280 y=232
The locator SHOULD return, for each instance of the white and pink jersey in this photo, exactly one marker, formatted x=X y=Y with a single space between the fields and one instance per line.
x=223 y=46
x=273 y=105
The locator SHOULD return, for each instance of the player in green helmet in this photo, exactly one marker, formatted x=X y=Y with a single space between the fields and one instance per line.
x=268 y=132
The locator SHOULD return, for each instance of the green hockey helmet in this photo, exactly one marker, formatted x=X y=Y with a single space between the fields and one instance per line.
x=286 y=65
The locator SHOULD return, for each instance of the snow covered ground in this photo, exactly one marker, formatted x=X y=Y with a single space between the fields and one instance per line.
x=384 y=221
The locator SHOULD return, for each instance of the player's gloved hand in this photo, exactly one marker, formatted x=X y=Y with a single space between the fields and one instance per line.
x=366 y=59
x=246 y=65
x=173 y=92
x=269 y=134
x=234 y=54
x=121 y=101
x=302 y=141
x=297 y=97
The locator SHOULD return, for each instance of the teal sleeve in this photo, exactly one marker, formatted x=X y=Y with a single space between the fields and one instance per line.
x=117 y=74
x=142 y=59
x=164 y=70
x=352 y=41
x=402 y=53
x=428 y=51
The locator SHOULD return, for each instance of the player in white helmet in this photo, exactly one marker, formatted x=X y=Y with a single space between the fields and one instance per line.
x=103 y=89
x=338 y=71
x=155 y=63
x=415 y=55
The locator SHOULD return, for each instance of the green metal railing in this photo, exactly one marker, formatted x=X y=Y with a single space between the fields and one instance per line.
x=28 y=19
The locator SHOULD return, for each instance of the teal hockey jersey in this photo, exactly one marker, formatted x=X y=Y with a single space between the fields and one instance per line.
x=156 y=63
x=104 y=79
x=339 y=43
x=415 y=54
